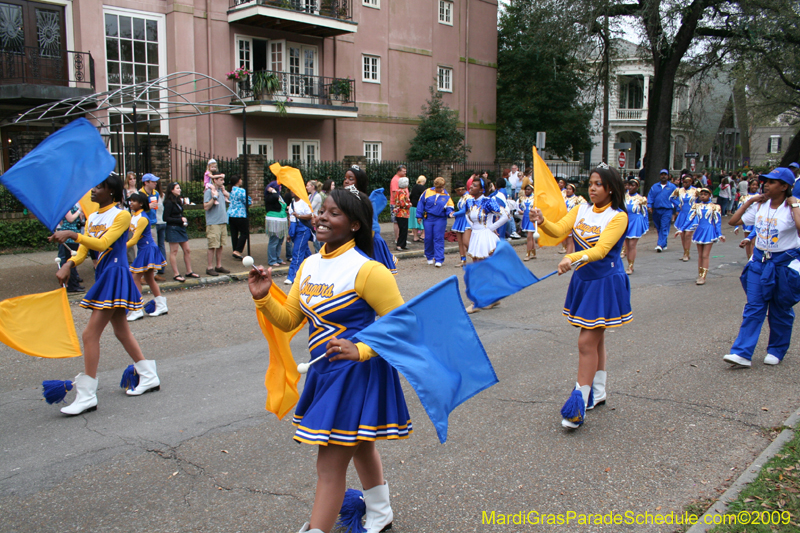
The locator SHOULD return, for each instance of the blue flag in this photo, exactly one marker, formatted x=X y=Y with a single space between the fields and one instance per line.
x=379 y=202
x=417 y=339
x=500 y=275
x=58 y=172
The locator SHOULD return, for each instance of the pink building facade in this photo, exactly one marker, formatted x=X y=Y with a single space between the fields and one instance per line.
x=348 y=77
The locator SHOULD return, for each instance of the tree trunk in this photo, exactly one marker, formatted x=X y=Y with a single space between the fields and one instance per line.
x=659 y=119
x=740 y=105
x=792 y=154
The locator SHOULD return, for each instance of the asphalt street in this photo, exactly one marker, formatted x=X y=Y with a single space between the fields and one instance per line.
x=202 y=455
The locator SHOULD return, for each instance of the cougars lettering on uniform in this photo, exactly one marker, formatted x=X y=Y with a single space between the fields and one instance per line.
x=584 y=228
x=310 y=290
x=97 y=229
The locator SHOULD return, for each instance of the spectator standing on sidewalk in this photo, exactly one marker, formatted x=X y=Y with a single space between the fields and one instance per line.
x=70 y=222
x=214 y=200
x=237 y=216
x=413 y=224
x=402 y=208
x=277 y=224
x=394 y=186
x=515 y=181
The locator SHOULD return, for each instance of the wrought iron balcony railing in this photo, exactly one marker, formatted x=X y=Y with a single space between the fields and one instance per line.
x=297 y=89
x=30 y=64
x=338 y=9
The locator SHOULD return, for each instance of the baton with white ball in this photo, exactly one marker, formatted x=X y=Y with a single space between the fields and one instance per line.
x=247 y=261
x=58 y=266
x=303 y=367
x=584 y=258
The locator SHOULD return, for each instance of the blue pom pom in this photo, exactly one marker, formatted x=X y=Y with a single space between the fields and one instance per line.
x=150 y=307
x=590 y=402
x=55 y=390
x=130 y=379
x=352 y=512
x=574 y=410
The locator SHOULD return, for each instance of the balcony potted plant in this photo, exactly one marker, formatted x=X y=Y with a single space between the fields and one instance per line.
x=340 y=91
x=241 y=76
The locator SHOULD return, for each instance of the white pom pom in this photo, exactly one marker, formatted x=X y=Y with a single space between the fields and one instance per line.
x=303 y=368
x=247 y=261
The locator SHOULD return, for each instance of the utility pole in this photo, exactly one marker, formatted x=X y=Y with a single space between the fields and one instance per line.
x=606 y=88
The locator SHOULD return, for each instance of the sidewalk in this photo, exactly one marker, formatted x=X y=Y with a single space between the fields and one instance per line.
x=30 y=273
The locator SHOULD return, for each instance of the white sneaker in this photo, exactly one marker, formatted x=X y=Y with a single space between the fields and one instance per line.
x=737 y=360
x=135 y=315
x=438 y=264
x=659 y=249
x=430 y=261
x=515 y=235
x=287 y=281
x=771 y=360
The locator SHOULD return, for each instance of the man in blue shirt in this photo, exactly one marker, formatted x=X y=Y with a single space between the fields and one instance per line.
x=150 y=189
x=795 y=168
x=660 y=206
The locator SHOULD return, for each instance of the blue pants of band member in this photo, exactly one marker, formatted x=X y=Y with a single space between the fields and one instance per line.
x=161 y=233
x=780 y=318
x=300 y=250
x=661 y=220
x=274 y=250
x=434 y=237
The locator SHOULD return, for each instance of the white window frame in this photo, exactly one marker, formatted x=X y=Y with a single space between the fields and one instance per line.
x=445 y=12
x=447 y=77
x=256 y=146
x=373 y=151
x=374 y=4
x=774 y=144
x=375 y=64
x=236 y=60
x=271 y=62
x=304 y=145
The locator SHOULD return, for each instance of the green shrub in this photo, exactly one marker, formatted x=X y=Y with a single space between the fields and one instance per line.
x=8 y=202
x=24 y=233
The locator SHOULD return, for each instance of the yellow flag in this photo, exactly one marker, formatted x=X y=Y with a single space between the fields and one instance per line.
x=40 y=325
x=547 y=197
x=290 y=177
x=87 y=205
x=282 y=375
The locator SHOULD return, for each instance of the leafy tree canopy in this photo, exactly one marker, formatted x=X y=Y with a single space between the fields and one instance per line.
x=438 y=137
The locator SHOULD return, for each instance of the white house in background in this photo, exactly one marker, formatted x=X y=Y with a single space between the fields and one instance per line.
x=631 y=78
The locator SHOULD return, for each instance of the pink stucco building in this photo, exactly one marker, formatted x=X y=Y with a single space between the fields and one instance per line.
x=349 y=77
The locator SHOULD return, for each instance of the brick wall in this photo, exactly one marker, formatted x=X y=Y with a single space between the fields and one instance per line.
x=255 y=176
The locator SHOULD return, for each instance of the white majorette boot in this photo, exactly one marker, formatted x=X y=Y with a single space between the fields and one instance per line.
x=148 y=379
x=305 y=529
x=161 y=306
x=379 y=511
x=86 y=399
x=598 y=396
x=135 y=315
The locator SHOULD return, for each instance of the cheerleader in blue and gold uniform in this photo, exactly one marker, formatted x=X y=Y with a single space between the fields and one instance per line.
x=638 y=223
x=706 y=219
x=752 y=191
x=460 y=227
x=148 y=256
x=524 y=207
x=352 y=398
x=599 y=294
x=113 y=293
x=683 y=199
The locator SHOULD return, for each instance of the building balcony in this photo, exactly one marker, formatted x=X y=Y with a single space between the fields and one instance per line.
x=631 y=114
x=320 y=18
x=300 y=95
x=29 y=76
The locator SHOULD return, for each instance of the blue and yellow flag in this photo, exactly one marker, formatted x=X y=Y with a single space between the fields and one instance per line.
x=58 y=172
x=40 y=325
x=547 y=197
x=500 y=275
x=415 y=339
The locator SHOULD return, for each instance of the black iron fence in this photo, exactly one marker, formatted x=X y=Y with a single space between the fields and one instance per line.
x=31 y=64
x=188 y=167
x=338 y=9
x=296 y=89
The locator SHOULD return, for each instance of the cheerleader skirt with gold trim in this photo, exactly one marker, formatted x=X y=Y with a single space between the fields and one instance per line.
x=350 y=401
x=114 y=287
x=148 y=258
x=599 y=303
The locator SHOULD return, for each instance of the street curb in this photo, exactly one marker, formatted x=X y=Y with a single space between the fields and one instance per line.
x=747 y=477
x=276 y=271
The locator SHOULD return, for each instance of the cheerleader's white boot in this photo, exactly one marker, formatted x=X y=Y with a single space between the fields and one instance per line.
x=598 y=395
x=135 y=315
x=161 y=306
x=379 y=511
x=148 y=379
x=305 y=529
x=86 y=399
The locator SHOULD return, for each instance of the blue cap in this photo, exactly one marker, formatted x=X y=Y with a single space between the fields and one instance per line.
x=794 y=165
x=781 y=174
x=664 y=171
x=149 y=177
